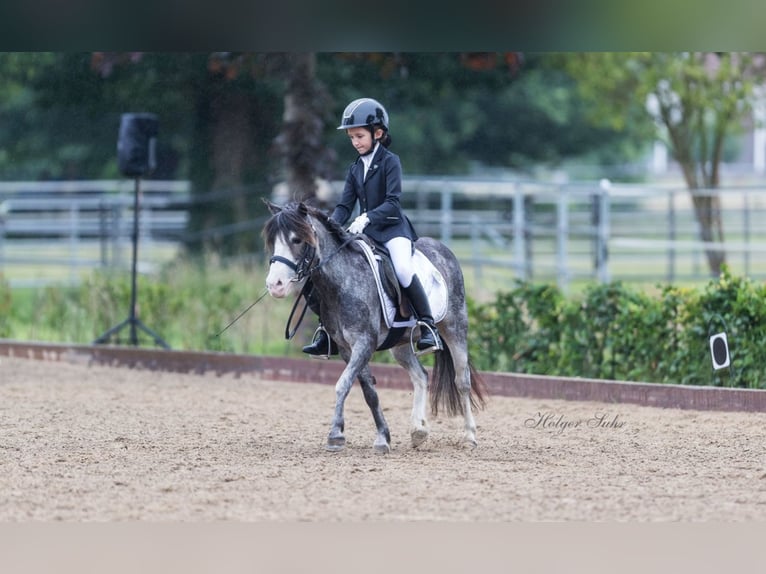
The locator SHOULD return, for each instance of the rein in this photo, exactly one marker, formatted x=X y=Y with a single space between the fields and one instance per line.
x=302 y=296
x=304 y=267
x=346 y=242
x=302 y=270
x=238 y=317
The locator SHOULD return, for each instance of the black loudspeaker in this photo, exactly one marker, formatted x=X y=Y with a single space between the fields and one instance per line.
x=135 y=155
x=136 y=144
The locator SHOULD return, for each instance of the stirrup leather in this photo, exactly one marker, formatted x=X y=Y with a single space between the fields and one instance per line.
x=413 y=343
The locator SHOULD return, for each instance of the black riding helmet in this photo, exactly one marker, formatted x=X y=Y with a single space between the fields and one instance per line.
x=364 y=112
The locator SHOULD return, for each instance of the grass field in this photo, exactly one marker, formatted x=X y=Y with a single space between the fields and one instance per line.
x=39 y=262
x=206 y=297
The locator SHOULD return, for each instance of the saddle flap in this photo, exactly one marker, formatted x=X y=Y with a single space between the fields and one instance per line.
x=388 y=285
x=388 y=277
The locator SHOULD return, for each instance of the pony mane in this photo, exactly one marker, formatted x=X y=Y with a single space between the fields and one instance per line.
x=338 y=232
x=335 y=228
x=286 y=220
x=292 y=218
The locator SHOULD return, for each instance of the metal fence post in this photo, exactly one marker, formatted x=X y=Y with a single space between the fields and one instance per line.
x=562 y=237
x=746 y=230
x=74 y=225
x=671 y=236
x=3 y=211
x=446 y=215
x=475 y=246
x=103 y=213
x=519 y=250
x=602 y=232
x=116 y=235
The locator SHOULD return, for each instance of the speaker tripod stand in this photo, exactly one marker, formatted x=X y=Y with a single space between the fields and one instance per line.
x=132 y=320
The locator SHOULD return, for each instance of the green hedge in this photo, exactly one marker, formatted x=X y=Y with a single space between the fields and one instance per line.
x=614 y=331
x=610 y=331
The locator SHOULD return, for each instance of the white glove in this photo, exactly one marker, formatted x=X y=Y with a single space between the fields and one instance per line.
x=359 y=224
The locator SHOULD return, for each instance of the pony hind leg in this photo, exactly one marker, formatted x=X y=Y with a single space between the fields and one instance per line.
x=469 y=423
x=382 y=444
x=455 y=377
x=419 y=378
x=463 y=382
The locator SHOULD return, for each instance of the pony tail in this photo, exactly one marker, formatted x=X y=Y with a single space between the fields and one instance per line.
x=444 y=390
x=385 y=141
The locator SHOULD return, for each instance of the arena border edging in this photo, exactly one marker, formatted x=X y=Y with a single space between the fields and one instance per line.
x=392 y=376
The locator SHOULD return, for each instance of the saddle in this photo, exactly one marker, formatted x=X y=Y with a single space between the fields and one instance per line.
x=396 y=310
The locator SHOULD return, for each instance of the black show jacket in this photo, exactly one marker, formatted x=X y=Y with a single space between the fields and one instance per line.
x=378 y=196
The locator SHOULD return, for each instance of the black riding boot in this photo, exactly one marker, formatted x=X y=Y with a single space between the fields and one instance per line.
x=322 y=345
x=429 y=336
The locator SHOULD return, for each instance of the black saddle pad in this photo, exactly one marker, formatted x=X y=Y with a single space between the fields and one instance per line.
x=386 y=268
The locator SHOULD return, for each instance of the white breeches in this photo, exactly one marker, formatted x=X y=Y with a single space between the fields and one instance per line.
x=400 y=249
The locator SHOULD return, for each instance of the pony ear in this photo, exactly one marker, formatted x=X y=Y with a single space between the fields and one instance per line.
x=273 y=207
x=303 y=209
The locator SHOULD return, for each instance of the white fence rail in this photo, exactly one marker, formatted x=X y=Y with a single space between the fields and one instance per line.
x=590 y=231
x=56 y=231
x=500 y=229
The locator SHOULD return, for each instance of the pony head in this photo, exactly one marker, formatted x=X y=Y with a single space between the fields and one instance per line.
x=290 y=239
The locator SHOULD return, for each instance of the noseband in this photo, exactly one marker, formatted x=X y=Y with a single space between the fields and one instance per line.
x=306 y=261
x=303 y=268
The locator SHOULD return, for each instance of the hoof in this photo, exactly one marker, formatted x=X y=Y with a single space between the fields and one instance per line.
x=382 y=448
x=336 y=443
x=470 y=444
x=418 y=437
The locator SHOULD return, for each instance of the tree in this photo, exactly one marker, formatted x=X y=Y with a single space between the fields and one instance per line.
x=300 y=143
x=48 y=131
x=236 y=123
x=220 y=115
x=222 y=109
x=696 y=99
x=451 y=112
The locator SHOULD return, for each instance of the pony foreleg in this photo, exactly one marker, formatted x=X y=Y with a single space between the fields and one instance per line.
x=356 y=364
x=382 y=442
x=335 y=439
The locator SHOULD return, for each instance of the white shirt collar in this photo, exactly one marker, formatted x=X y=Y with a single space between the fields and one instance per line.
x=367 y=159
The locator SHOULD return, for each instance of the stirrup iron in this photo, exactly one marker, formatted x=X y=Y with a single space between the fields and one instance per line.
x=413 y=343
x=326 y=355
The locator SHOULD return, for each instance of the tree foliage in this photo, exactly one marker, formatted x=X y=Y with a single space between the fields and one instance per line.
x=237 y=123
x=696 y=100
x=453 y=112
x=449 y=110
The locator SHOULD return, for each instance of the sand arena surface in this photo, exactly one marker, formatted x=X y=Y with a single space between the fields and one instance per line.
x=92 y=443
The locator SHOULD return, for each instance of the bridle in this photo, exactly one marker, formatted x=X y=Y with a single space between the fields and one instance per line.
x=306 y=264
x=303 y=268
